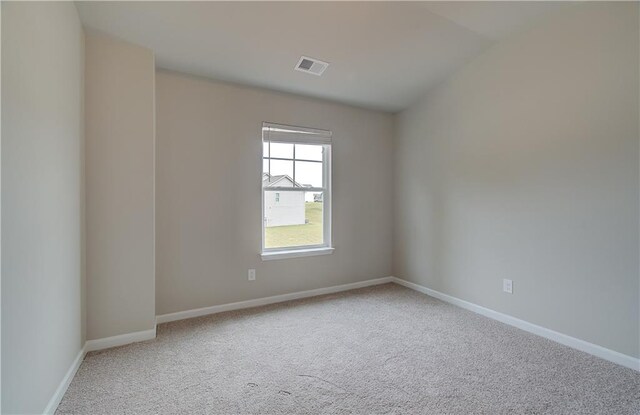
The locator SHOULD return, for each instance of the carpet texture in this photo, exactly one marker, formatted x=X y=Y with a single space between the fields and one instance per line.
x=383 y=349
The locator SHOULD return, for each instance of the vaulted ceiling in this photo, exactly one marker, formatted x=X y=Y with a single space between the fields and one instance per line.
x=383 y=55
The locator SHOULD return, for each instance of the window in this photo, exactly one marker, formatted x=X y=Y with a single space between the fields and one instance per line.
x=296 y=191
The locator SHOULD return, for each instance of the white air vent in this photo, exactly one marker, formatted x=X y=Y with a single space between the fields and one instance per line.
x=311 y=65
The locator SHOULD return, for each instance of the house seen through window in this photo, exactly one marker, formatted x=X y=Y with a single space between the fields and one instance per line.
x=295 y=188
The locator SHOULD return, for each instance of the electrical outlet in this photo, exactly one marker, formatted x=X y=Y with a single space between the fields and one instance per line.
x=252 y=275
x=507 y=286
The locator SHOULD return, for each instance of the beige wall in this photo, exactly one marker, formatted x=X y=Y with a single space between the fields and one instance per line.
x=120 y=187
x=42 y=201
x=208 y=193
x=524 y=165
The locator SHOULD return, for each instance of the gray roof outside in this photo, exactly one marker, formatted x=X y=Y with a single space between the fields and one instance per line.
x=272 y=180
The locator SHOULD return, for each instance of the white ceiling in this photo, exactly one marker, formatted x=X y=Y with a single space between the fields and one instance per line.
x=383 y=55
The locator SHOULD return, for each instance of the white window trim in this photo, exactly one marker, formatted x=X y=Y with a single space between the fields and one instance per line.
x=317 y=137
x=297 y=253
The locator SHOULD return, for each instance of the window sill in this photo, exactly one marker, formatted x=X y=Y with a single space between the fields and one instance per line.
x=296 y=253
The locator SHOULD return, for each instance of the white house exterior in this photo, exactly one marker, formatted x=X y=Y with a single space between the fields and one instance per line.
x=282 y=208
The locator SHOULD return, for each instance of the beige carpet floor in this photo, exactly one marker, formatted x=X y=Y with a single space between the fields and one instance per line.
x=383 y=349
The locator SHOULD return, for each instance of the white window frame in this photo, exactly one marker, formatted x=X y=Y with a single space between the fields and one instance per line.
x=279 y=133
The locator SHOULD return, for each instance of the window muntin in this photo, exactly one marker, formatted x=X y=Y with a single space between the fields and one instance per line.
x=295 y=188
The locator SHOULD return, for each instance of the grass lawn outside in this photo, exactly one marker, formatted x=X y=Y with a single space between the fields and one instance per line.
x=297 y=235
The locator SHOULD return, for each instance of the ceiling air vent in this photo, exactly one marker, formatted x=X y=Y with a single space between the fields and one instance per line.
x=311 y=65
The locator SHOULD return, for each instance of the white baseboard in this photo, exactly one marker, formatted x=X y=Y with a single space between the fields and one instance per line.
x=90 y=346
x=181 y=315
x=593 y=349
x=64 y=384
x=121 y=340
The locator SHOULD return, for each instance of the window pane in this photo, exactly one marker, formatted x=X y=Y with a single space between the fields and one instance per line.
x=282 y=150
x=308 y=152
x=265 y=166
x=292 y=219
x=281 y=173
x=308 y=173
x=265 y=149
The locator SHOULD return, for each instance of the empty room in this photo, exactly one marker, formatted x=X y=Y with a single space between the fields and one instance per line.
x=320 y=207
